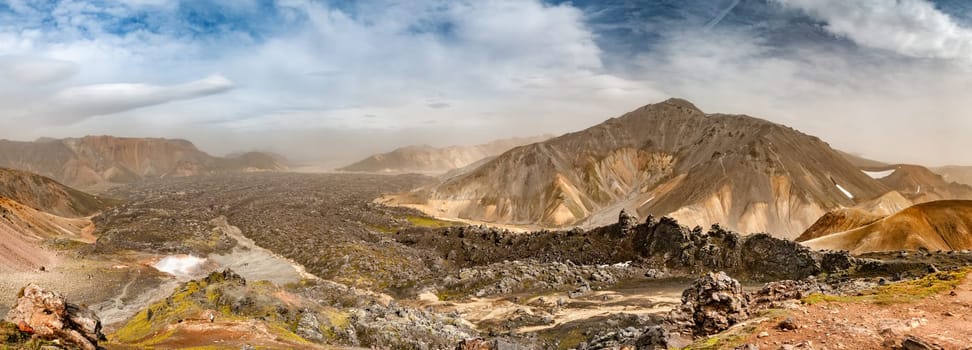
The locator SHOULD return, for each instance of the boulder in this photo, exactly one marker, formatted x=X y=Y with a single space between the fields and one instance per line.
x=714 y=303
x=47 y=315
x=655 y=337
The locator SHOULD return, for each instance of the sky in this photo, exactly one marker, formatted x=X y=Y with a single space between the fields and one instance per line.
x=332 y=81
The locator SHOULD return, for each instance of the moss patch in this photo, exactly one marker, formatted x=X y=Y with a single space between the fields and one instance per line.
x=428 y=222
x=900 y=292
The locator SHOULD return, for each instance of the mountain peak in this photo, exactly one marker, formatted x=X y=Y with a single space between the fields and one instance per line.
x=677 y=102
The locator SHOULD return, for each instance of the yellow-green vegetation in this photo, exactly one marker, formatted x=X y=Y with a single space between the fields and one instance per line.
x=900 y=292
x=569 y=339
x=65 y=244
x=736 y=336
x=144 y=328
x=191 y=301
x=383 y=228
x=422 y=221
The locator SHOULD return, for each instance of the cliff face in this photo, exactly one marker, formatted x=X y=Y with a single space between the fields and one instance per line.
x=668 y=158
x=93 y=160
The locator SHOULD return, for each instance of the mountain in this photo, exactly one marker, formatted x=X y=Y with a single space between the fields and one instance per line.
x=861 y=162
x=23 y=229
x=44 y=194
x=34 y=209
x=845 y=219
x=938 y=225
x=428 y=159
x=919 y=184
x=954 y=173
x=669 y=158
x=95 y=160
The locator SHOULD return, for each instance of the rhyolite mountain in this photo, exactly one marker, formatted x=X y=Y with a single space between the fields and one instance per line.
x=668 y=158
x=96 y=160
x=938 y=225
x=432 y=160
x=34 y=209
x=45 y=194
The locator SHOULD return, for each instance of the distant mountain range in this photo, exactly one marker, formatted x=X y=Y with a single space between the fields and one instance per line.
x=96 y=160
x=426 y=159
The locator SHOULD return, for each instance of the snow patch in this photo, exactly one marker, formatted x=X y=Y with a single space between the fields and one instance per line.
x=180 y=265
x=846 y=192
x=879 y=174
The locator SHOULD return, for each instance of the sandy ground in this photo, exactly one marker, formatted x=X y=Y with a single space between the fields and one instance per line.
x=649 y=298
x=944 y=319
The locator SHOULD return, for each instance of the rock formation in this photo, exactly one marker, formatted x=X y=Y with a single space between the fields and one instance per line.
x=47 y=315
x=714 y=303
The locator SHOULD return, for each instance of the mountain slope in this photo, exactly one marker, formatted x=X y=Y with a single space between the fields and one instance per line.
x=668 y=158
x=48 y=195
x=846 y=219
x=920 y=184
x=954 y=173
x=862 y=162
x=93 y=160
x=428 y=159
x=939 y=225
x=23 y=229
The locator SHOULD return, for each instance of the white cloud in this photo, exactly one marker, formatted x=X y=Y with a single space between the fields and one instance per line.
x=77 y=103
x=909 y=27
x=36 y=70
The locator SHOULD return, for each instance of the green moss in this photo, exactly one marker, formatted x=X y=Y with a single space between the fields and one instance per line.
x=422 y=221
x=901 y=292
x=727 y=340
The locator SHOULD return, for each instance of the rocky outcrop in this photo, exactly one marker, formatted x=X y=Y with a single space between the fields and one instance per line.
x=47 y=315
x=714 y=303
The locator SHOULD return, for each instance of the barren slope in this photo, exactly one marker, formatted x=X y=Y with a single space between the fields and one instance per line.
x=95 y=160
x=940 y=225
x=846 y=219
x=24 y=229
x=668 y=158
x=959 y=174
x=428 y=159
x=47 y=195
x=919 y=184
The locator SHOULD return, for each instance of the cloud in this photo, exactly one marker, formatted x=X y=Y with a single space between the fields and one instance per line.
x=36 y=70
x=913 y=28
x=77 y=103
x=306 y=72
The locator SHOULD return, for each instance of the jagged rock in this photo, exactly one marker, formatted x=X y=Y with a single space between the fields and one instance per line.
x=656 y=337
x=309 y=327
x=914 y=343
x=788 y=325
x=47 y=315
x=484 y=344
x=774 y=293
x=715 y=302
x=626 y=222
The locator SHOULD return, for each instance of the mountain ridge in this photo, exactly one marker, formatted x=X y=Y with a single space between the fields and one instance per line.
x=428 y=159
x=90 y=161
x=668 y=158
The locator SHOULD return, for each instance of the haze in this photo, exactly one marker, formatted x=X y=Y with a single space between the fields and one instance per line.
x=331 y=82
